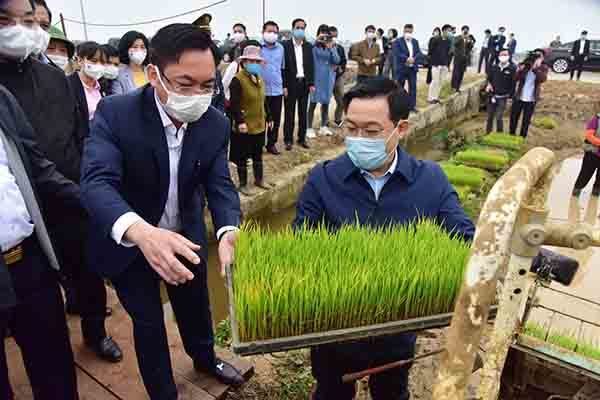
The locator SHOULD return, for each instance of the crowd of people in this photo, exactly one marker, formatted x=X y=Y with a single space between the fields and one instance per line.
x=108 y=156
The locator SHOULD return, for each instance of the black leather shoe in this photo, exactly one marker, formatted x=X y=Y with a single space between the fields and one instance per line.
x=224 y=372
x=288 y=147
x=273 y=150
x=304 y=145
x=107 y=349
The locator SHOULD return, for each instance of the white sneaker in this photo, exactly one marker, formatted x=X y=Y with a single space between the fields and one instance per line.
x=325 y=131
x=310 y=133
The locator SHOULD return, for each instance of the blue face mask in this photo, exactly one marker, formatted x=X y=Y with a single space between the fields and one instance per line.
x=254 y=69
x=367 y=154
x=299 y=34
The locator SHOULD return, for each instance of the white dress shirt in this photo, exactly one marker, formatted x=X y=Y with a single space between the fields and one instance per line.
x=380 y=43
x=15 y=221
x=299 y=51
x=411 y=50
x=170 y=220
x=528 y=93
x=377 y=183
x=581 y=46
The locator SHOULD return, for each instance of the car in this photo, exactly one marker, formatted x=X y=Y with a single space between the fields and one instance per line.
x=559 y=58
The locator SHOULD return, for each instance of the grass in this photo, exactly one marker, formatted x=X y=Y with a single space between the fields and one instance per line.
x=462 y=175
x=545 y=123
x=564 y=340
x=503 y=141
x=294 y=283
x=491 y=160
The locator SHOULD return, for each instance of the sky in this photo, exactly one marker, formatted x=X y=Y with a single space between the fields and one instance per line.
x=535 y=22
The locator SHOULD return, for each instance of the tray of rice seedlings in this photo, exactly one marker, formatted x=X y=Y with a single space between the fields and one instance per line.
x=486 y=158
x=297 y=289
x=503 y=141
x=462 y=175
x=545 y=123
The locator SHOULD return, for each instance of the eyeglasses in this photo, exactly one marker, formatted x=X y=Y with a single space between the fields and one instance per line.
x=193 y=90
x=369 y=133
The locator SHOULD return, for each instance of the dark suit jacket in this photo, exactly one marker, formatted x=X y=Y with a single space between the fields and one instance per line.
x=126 y=169
x=577 y=47
x=82 y=106
x=290 y=71
x=50 y=186
x=401 y=53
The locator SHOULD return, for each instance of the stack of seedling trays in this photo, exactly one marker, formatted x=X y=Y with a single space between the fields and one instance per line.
x=297 y=289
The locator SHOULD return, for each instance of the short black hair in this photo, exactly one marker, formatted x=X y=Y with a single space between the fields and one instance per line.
x=398 y=99
x=502 y=28
x=270 y=23
x=437 y=29
x=465 y=27
x=488 y=31
x=333 y=29
x=127 y=41
x=89 y=50
x=409 y=26
x=380 y=31
x=173 y=40
x=370 y=28
x=323 y=29
x=240 y=25
x=584 y=32
x=294 y=22
x=394 y=33
x=110 y=51
x=446 y=27
x=42 y=3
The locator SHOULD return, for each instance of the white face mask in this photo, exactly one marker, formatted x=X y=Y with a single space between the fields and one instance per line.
x=16 y=41
x=370 y=35
x=503 y=59
x=60 y=61
x=238 y=37
x=94 y=71
x=111 y=72
x=186 y=109
x=408 y=35
x=41 y=40
x=270 y=37
x=137 y=56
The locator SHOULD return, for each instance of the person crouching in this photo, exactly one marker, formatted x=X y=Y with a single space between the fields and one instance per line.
x=250 y=115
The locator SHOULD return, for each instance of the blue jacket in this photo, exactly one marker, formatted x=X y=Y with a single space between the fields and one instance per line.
x=124 y=83
x=337 y=194
x=401 y=53
x=126 y=169
x=325 y=73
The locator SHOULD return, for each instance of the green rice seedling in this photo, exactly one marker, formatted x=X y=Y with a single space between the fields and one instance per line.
x=503 y=141
x=589 y=350
x=461 y=175
x=545 y=123
x=563 y=340
x=292 y=283
x=488 y=159
x=463 y=193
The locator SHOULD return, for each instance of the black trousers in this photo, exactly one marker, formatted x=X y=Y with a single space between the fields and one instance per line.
x=590 y=166
x=275 y=104
x=138 y=289
x=458 y=73
x=527 y=108
x=39 y=327
x=577 y=66
x=330 y=362
x=495 y=110
x=298 y=91
x=484 y=57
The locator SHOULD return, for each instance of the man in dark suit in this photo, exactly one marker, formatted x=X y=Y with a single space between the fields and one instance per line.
x=463 y=49
x=407 y=57
x=31 y=304
x=497 y=43
x=151 y=160
x=579 y=55
x=298 y=82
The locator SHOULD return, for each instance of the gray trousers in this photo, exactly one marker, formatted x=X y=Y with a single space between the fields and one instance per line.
x=338 y=94
x=496 y=111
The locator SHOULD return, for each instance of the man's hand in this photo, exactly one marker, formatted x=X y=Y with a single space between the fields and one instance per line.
x=367 y=62
x=489 y=88
x=410 y=61
x=572 y=58
x=227 y=249
x=285 y=92
x=270 y=124
x=312 y=88
x=243 y=128
x=161 y=248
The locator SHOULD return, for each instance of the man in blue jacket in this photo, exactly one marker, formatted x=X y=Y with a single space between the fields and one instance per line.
x=407 y=56
x=151 y=160
x=375 y=183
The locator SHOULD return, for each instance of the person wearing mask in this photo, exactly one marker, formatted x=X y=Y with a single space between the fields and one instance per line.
x=298 y=82
x=133 y=52
x=388 y=68
x=367 y=54
x=31 y=304
x=145 y=179
x=556 y=42
x=59 y=133
x=579 y=55
x=340 y=70
x=498 y=42
x=484 y=55
x=437 y=32
x=250 y=112
x=591 y=159
x=326 y=60
x=452 y=37
x=463 y=48
x=111 y=72
x=531 y=75
x=375 y=184
x=407 y=57
x=238 y=36
x=382 y=42
x=219 y=101
x=439 y=58
x=60 y=51
x=43 y=18
x=272 y=74
x=500 y=87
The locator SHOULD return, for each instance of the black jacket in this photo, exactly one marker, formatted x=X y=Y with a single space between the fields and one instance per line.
x=81 y=102
x=503 y=80
x=290 y=71
x=439 y=51
x=341 y=67
x=577 y=47
x=50 y=186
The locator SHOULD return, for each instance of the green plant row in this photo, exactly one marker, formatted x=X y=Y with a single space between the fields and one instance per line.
x=503 y=141
x=293 y=283
x=491 y=160
x=461 y=175
x=563 y=340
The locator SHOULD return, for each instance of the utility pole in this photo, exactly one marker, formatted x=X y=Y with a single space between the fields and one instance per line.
x=62 y=23
x=264 y=11
x=85 y=32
